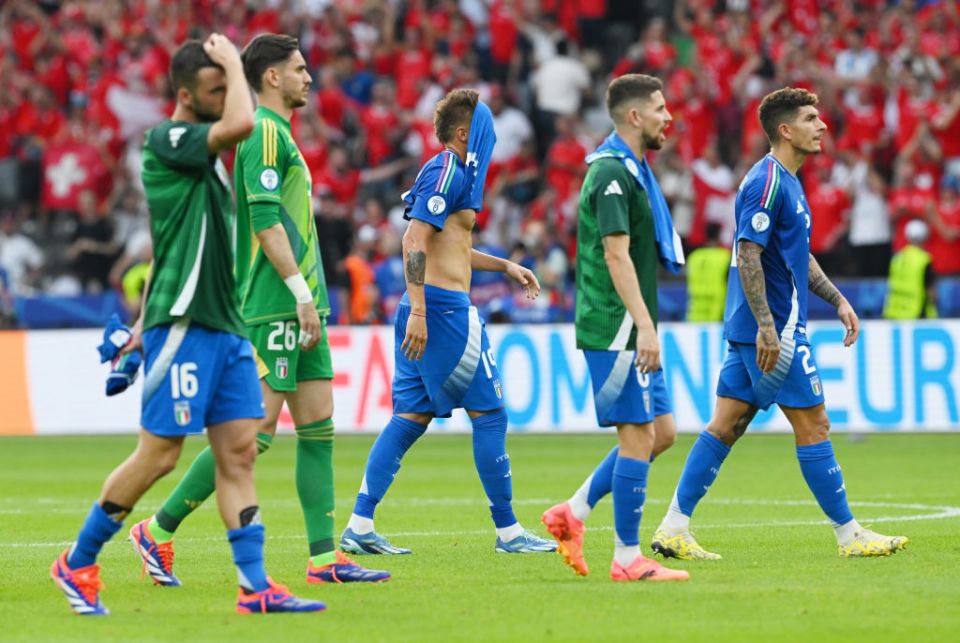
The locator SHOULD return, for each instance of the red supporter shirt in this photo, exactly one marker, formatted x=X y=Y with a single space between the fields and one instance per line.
x=412 y=67
x=946 y=254
x=828 y=204
x=342 y=187
x=565 y=152
x=863 y=125
x=23 y=33
x=909 y=203
x=378 y=123
x=333 y=105
x=696 y=117
x=503 y=34
x=591 y=8
x=949 y=137
x=428 y=140
x=913 y=110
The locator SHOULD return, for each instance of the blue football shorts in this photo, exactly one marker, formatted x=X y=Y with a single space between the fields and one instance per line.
x=794 y=381
x=621 y=393
x=457 y=369
x=196 y=377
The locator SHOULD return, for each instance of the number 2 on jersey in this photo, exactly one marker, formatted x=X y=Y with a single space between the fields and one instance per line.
x=807 y=366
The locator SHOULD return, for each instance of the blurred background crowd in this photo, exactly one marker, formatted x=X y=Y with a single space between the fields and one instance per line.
x=82 y=80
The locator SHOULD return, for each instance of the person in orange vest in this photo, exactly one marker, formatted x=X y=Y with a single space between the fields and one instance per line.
x=912 y=291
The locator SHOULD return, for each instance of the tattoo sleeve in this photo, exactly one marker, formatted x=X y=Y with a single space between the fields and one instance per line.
x=821 y=286
x=751 y=277
x=416 y=267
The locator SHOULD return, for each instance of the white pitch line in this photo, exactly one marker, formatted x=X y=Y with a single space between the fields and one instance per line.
x=940 y=512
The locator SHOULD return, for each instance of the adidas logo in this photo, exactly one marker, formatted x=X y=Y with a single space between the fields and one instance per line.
x=175 y=133
x=799 y=207
x=613 y=188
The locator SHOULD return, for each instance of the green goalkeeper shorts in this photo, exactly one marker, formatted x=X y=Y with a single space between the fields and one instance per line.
x=280 y=360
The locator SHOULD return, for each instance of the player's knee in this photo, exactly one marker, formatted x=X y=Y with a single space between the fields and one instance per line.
x=820 y=431
x=724 y=432
x=664 y=440
x=238 y=458
x=166 y=463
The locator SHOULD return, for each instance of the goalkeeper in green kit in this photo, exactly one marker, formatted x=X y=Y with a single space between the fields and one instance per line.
x=284 y=305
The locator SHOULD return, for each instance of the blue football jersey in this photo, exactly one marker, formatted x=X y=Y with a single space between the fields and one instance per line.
x=441 y=188
x=772 y=211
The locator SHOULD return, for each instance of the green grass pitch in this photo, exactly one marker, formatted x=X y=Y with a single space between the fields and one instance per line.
x=780 y=579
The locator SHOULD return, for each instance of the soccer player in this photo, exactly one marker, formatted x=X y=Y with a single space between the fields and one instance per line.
x=284 y=304
x=623 y=229
x=769 y=358
x=199 y=368
x=455 y=368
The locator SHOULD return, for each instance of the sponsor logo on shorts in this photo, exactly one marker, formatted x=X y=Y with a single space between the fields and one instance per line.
x=646 y=401
x=181 y=413
x=815 y=385
x=282 y=364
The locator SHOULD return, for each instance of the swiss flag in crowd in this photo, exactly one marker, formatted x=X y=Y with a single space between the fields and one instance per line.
x=713 y=195
x=68 y=170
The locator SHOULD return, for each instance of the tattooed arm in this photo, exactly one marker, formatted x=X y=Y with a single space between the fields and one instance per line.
x=822 y=287
x=755 y=290
x=415 y=241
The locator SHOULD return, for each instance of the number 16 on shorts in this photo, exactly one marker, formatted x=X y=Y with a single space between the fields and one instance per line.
x=183 y=384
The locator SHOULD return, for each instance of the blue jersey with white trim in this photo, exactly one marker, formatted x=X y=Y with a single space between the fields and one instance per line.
x=441 y=188
x=772 y=211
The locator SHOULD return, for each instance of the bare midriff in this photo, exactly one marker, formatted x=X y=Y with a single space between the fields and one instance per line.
x=448 y=253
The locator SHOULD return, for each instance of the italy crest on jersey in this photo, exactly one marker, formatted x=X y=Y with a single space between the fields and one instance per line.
x=815 y=385
x=282 y=368
x=181 y=413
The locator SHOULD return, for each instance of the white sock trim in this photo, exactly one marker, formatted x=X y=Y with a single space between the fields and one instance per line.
x=506 y=534
x=846 y=532
x=625 y=554
x=360 y=525
x=578 y=501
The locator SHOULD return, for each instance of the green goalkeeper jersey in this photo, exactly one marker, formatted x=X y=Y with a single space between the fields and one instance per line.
x=274 y=186
x=612 y=202
x=193 y=225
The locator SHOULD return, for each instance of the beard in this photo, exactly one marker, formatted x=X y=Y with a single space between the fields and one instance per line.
x=204 y=115
x=653 y=142
x=295 y=100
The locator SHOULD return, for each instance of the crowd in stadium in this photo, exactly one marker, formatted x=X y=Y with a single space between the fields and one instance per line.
x=83 y=79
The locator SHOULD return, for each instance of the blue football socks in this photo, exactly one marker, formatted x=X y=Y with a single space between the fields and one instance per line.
x=97 y=529
x=383 y=463
x=493 y=465
x=629 y=493
x=700 y=470
x=247 y=545
x=822 y=473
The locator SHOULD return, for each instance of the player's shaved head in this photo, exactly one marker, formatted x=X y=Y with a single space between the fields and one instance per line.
x=454 y=110
x=783 y=106
x=263 y=52
x=187 y=62
x=627 y=89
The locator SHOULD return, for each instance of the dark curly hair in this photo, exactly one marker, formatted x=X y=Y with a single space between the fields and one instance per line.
x=782 y=106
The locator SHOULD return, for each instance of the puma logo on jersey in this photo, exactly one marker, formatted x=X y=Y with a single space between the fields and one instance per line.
x=613 y=188
x=175 y=134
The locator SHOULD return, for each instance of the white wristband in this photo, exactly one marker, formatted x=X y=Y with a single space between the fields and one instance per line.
x=298 y=286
